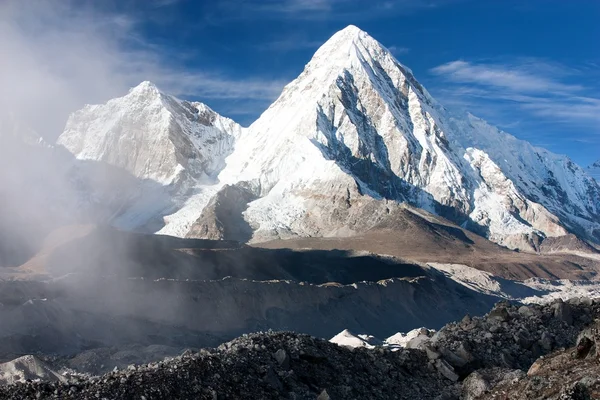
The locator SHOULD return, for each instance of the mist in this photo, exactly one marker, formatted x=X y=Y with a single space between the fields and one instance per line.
x=57 y=57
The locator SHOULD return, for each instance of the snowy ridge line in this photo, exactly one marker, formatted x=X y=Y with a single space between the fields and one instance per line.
x=354 y=133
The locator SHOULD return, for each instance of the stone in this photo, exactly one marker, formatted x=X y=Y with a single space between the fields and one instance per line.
x=535 y=367
x=431 y=354
x=474 y=386
x=499 y=314
x=323 y=396
x=526 y=311
x=546 y=341
x=507 y=360
x=446 y=370
x=536 y=350
x=583 y=347
x=523 y=339
x=464 y=352
x=454 y=359
x=272 y=379
x=562 y=311
x=586 y=301
x=282 y=358
x=418 y=342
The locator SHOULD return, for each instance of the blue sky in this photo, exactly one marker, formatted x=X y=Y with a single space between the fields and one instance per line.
x=531 y=67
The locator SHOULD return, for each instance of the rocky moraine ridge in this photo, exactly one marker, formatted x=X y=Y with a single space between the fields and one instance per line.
x=515 y=351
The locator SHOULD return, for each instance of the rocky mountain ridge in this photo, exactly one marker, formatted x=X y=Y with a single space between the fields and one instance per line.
x=353 y=136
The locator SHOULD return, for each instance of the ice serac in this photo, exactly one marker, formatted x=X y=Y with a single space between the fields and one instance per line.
x=355 y=134
x=152 y=136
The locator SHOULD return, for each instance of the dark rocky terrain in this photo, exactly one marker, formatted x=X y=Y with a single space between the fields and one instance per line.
x=476 y=358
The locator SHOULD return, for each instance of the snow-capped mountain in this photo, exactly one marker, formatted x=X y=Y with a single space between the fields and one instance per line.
x=153 y=136
x=356 y=123
x=352 y=137
x=175 y=148
x=594 y=170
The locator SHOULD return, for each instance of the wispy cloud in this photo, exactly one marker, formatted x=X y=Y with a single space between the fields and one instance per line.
x=59 y=55
x=398 y=50
x=518 y=78
x=213 y=86
x=322 y=9
x=541 y=89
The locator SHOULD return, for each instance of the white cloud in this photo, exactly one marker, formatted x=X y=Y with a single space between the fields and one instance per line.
x=398 y=50
x=59 y=55
x=539 y=88
x=520 y=78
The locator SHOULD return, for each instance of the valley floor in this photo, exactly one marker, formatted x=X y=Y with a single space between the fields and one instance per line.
x=92 y=312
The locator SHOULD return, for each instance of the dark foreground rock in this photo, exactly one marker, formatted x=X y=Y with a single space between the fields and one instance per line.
x=561 y=376
x=476 y=358
x=260 y=366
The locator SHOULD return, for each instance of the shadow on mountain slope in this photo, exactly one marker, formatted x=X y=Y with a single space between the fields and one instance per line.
x=106 y=251
x=415 y=235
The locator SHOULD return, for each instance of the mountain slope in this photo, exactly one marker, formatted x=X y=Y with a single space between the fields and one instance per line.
x=357 y=126
x=347 y=141
x=152 y=135
x=175 y=148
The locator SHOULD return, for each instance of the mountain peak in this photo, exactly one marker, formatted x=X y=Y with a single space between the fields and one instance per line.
x=351 y=32
x=347 y=45
x=146 y=87
x=352 y=134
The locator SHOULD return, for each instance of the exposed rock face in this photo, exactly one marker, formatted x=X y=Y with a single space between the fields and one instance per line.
x=173 y=148
x=357 y=124
x=222 y=218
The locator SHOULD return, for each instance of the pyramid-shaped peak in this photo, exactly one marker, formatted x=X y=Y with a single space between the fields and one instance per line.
x=145 y=87
x=346 y=47
x=351 y=31
x=351 y=35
